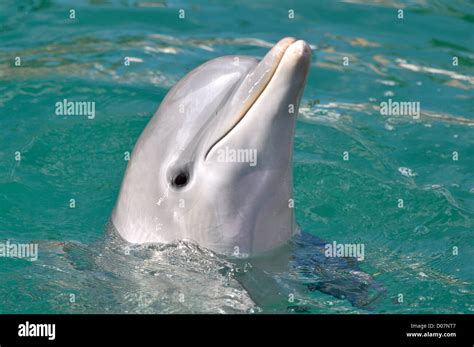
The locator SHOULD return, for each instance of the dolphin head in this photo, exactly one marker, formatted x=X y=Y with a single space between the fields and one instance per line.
x=214 y=164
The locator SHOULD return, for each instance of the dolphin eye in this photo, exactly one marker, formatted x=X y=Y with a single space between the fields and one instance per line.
x=181 y=179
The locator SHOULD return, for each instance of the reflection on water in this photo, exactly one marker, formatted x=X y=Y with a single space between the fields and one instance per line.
x=113 y=276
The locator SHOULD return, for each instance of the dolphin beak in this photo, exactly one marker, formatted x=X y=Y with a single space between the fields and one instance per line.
x=253 y=85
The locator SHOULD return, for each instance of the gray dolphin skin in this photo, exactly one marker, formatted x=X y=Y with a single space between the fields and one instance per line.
x=214 y=164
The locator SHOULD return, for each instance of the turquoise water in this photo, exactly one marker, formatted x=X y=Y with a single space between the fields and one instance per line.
x=423 y=251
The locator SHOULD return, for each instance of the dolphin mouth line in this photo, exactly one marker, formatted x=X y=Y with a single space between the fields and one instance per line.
x=257 y=95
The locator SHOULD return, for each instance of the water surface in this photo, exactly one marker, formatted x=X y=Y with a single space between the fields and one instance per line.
x=408 y=251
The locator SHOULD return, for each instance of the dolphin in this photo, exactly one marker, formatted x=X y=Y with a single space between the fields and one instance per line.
x=214 y=163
